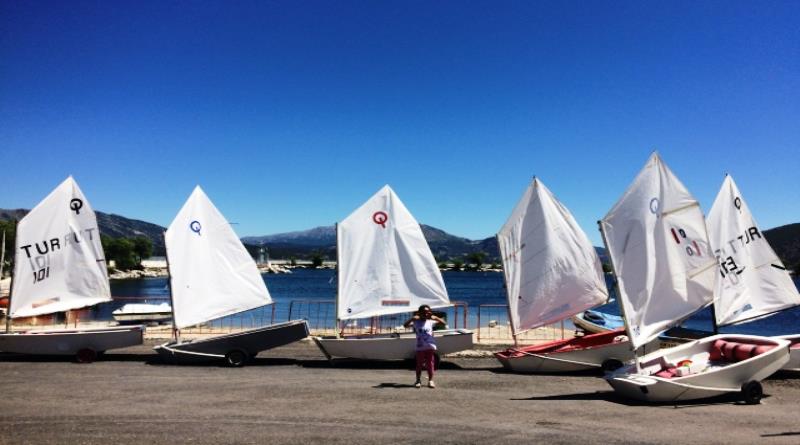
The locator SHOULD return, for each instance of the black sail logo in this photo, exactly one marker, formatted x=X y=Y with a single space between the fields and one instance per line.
x=76 y=205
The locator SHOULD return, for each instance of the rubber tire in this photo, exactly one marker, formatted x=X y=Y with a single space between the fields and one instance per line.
x=436 y=360
x=752 y=392
x=611 y=365
x=86 y=355
x=236 y=358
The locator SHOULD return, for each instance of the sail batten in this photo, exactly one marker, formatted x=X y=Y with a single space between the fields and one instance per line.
x=385 y=265
x=658 y=243
x=212 y=274
x=752 y=281
x=551 y=269
x=59 y=262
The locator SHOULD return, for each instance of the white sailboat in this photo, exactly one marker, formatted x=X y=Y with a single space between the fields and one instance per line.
x=552 y=272
x=658 y=244
x=385 y=266
x=59 y=265
x=143 y=313
x=753 y=282
x=212 y=276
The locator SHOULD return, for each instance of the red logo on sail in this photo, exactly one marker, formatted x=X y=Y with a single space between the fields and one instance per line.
x=380 y=218
x=681 y=234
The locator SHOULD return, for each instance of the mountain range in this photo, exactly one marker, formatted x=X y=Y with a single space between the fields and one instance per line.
x=323 y=239
x=302 y=244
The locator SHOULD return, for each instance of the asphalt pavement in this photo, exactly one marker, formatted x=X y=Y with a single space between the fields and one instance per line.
x=294 y=395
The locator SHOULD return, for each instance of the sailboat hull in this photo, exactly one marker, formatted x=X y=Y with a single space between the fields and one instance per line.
x=152 y=317
x=575 y=354
x=681 y=335
x=709 y=374
x=596 y=322
x=134 y=313
x=71 y=341
x=397 y=346
x=249 y=343
x=794 y=352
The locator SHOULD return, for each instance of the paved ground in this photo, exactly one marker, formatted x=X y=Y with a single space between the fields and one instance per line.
x=129 y=397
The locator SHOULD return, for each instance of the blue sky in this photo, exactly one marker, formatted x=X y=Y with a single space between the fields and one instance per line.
x=291 y=114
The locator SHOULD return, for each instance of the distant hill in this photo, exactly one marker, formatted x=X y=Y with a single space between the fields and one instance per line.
x=786 y=242
x=316 y=237
x=112 y=225
x=301 y=244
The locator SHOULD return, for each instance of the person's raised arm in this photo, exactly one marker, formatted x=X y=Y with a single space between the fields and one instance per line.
x=408 y=322
x=438 y=320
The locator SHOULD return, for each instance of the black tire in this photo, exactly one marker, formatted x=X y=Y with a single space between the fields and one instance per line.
x=86 y=355
x=752 y=392
x=436 y=360
x=611 y=365
x=236 y=358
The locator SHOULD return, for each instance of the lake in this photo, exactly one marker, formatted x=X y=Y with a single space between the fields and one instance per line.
x=472 y=288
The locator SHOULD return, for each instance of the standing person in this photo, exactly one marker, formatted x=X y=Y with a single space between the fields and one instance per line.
x=424 y=321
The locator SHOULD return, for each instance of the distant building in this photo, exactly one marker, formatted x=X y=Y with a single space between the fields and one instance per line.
x=155 y=262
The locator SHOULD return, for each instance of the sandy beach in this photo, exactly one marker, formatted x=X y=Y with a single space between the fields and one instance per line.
x=293 y=395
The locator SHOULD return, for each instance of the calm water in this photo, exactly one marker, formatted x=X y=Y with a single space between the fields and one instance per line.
x=473 y=288
x=782 y=323
x=312 y=285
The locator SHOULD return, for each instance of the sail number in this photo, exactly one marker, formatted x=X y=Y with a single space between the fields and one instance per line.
x=679 y=235
x=41 y=268
x=41 y=274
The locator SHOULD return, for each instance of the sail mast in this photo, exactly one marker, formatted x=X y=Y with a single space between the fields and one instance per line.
x=11 y=283
x=2 y=255
x=338 y=280
x=169 y=288
x=508 y=296
x=619 y=292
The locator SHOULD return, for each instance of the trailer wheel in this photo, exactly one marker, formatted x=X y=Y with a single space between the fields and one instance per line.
x=86 y=355
x=752 y=392
x=236 y=358
x=436 y=360
x=611 y=365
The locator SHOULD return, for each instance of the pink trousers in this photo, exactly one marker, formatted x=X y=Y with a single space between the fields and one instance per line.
x=425 y=359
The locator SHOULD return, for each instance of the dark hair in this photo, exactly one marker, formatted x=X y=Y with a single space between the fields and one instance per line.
x=423 y=307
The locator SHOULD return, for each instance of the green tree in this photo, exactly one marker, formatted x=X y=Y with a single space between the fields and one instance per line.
x=607 y=268
x=121 y=251
x=8 y=227
x=142 y=247
x=458 y=263
x=316 y=259
x=476 y=258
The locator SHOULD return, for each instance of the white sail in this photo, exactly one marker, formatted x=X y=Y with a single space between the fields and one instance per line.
x=657 y=240
x=212 y=275
x=753 y=281
x=59 y=263
x=385 y=264
x=552 y=270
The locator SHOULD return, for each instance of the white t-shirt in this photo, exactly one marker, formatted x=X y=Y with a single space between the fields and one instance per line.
x=424 y=330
